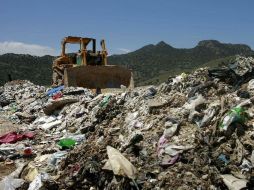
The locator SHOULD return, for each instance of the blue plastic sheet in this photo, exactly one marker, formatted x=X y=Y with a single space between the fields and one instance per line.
x=55 y=90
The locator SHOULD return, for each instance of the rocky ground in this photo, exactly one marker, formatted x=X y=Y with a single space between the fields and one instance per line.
x=193 y=132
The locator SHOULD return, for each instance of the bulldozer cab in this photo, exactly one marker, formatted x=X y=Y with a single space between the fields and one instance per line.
x=88 y=67
x=87 y=54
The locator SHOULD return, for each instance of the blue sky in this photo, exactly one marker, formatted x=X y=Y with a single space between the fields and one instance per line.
x=126 y=25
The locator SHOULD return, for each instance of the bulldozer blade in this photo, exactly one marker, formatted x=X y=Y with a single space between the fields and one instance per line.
x=92 y=77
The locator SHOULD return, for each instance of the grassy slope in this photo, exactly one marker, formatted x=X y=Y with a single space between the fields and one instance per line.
x=162 y=77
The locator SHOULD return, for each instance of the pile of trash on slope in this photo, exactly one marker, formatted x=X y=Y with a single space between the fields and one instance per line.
x=193 y=132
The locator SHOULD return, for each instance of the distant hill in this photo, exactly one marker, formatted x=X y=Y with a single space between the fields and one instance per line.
x=33 y=68
x=155 y=63
x=151 y=64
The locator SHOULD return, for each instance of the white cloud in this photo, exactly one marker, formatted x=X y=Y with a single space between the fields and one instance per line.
x=23 y=48
x=124 y=50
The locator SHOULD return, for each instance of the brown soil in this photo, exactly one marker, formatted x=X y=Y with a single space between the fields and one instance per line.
x=6 y=169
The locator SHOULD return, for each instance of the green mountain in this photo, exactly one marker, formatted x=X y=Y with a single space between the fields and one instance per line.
x=19 y=66
x=155 y=63
x=151 y=64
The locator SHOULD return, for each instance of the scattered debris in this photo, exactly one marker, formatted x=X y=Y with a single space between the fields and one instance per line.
x=192 y=132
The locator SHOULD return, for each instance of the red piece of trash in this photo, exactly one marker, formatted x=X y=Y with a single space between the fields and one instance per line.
x=28 y=151
x=57 y=95
x=13 y=137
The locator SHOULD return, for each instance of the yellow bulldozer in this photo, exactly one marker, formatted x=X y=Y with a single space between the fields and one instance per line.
x=88 y=67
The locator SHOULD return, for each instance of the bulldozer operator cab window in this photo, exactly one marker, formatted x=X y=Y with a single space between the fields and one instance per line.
x=89 y=47
x=74 y=53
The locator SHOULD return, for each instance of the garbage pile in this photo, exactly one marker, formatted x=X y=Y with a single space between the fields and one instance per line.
x=193 y=132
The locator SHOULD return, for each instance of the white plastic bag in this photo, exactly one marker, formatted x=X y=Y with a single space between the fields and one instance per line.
x=233 y=183
x=10 y=183
x=119 y=164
